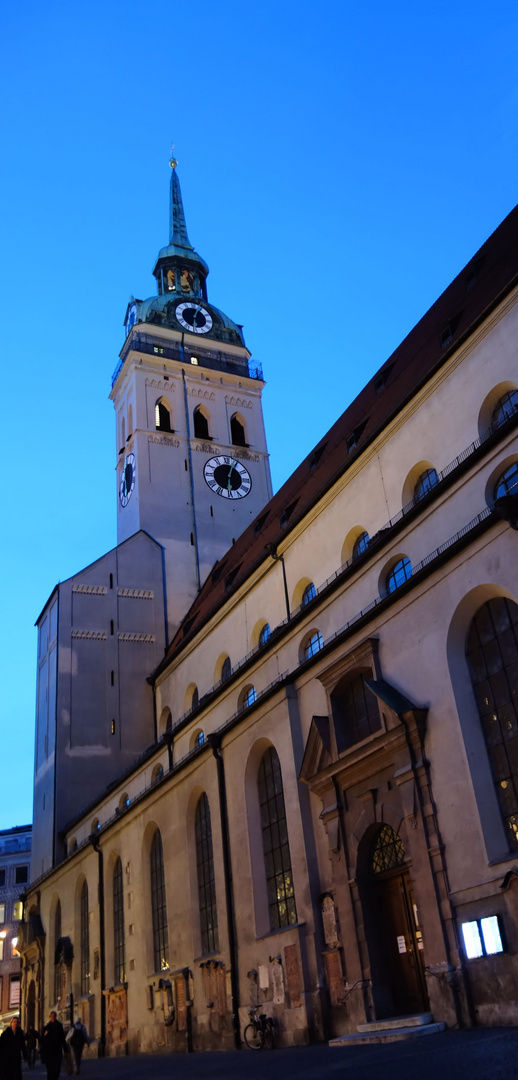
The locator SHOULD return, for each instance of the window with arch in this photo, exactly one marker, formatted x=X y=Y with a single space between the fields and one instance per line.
x=401 y=572
x=276 y=848
x=85 y=941
x=427 y=480
x=492 y=655
x=201 y=424
x=158 y=905
x=314 y=643
x=388 y=850
x=507 y=484
x=265 y=634
x=206 y=883
x=195 y=700
x=162 y=416
x=119 y=966
x=308 y=595
x=124 y=801
x=199 y=738
x=237 y=431
x=506 y=407
x=355 y=710
x=226 y=669
x=57 y=938
x=157 y=774
x=361 y=544
x=247 y=697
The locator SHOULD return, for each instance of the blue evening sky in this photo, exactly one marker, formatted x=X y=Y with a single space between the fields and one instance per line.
x=339 y=163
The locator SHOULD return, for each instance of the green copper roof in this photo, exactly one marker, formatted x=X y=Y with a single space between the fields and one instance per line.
x=179 y=243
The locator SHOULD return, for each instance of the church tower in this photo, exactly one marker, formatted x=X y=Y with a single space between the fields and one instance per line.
x=192 y=464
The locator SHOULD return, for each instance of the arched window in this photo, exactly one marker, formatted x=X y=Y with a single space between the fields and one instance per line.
x=387 y=851
x=195 y=698
x=508 y=482
x=400 y=573
x=85 y=941
x=119 y=966
x=226 y=669
x=158 y=905
x=162 y=417
x=247 y=697
x=492 y=653
x=355 y=710
x=265 y=634
x=276 y=848
x=199 y=738
x=206 y=883
x=237 y=431
x=201 y=424
x=57 y=938
x=308 y=595
x=157 y=774
x=505 y=408
x=425 y=483
x=361 y=544
x=314 y=643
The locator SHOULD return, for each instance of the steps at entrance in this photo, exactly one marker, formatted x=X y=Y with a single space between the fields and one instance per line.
x=397 y=1029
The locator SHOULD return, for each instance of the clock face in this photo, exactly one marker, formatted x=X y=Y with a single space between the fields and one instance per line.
x=193 y=317
x=127 y=482
x=227 y=477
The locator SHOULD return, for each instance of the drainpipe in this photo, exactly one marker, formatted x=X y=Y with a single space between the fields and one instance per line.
x=272 y=550
x=95 y=844
x=215 y=745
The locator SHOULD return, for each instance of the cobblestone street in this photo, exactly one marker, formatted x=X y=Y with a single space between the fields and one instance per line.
x=486 y=1054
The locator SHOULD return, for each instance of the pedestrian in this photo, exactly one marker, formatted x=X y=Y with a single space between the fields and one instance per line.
x=31 y=1042
x=77 y=1037
x=12 y=1050
x=52 y=1046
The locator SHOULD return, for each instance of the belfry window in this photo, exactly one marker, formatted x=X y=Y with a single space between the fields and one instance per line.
x=158 y=905
x=206 y=883
x=162 y=417
x=276 y=848
x=492 y=655
x=118 y=924
x=237 y=431
x=201 y=424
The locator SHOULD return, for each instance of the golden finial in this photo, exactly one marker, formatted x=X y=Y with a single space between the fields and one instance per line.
x=172 y=160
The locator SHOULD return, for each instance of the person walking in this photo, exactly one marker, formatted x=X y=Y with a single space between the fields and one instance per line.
x=77 y=1037
x=31 y=1043
x=12 y=1050
x=53 y=1046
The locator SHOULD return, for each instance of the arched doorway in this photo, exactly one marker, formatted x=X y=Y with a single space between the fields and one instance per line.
x=31 y=1005
x=392 y=928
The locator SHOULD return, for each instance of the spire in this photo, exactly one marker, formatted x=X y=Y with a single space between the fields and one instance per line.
x=177 y=226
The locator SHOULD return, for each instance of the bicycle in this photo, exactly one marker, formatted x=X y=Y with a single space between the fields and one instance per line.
x=259 y=1032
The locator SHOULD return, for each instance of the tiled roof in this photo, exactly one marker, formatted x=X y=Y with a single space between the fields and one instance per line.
x=483 y=283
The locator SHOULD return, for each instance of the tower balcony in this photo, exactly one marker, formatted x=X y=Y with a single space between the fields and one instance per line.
x=207 y=358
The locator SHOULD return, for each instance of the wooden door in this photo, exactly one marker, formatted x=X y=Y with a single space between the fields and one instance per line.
x=403 y=944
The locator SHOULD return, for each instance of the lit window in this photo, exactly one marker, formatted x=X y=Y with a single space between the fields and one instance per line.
x=1 y=948
x=482 y=937
x=17 y=910
x=206 y=882
x=308 y=595
x=194 y=360
x=508 y=482
x=158 y=351
x=400 y=573
x=361 y=544
x=276 y=849
x=426 y=482
x=313 y=645
x=158 y=905
x=265 y=634
x=2 y=912
x=505 y=408
x=14 y=949
x=14 y=991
